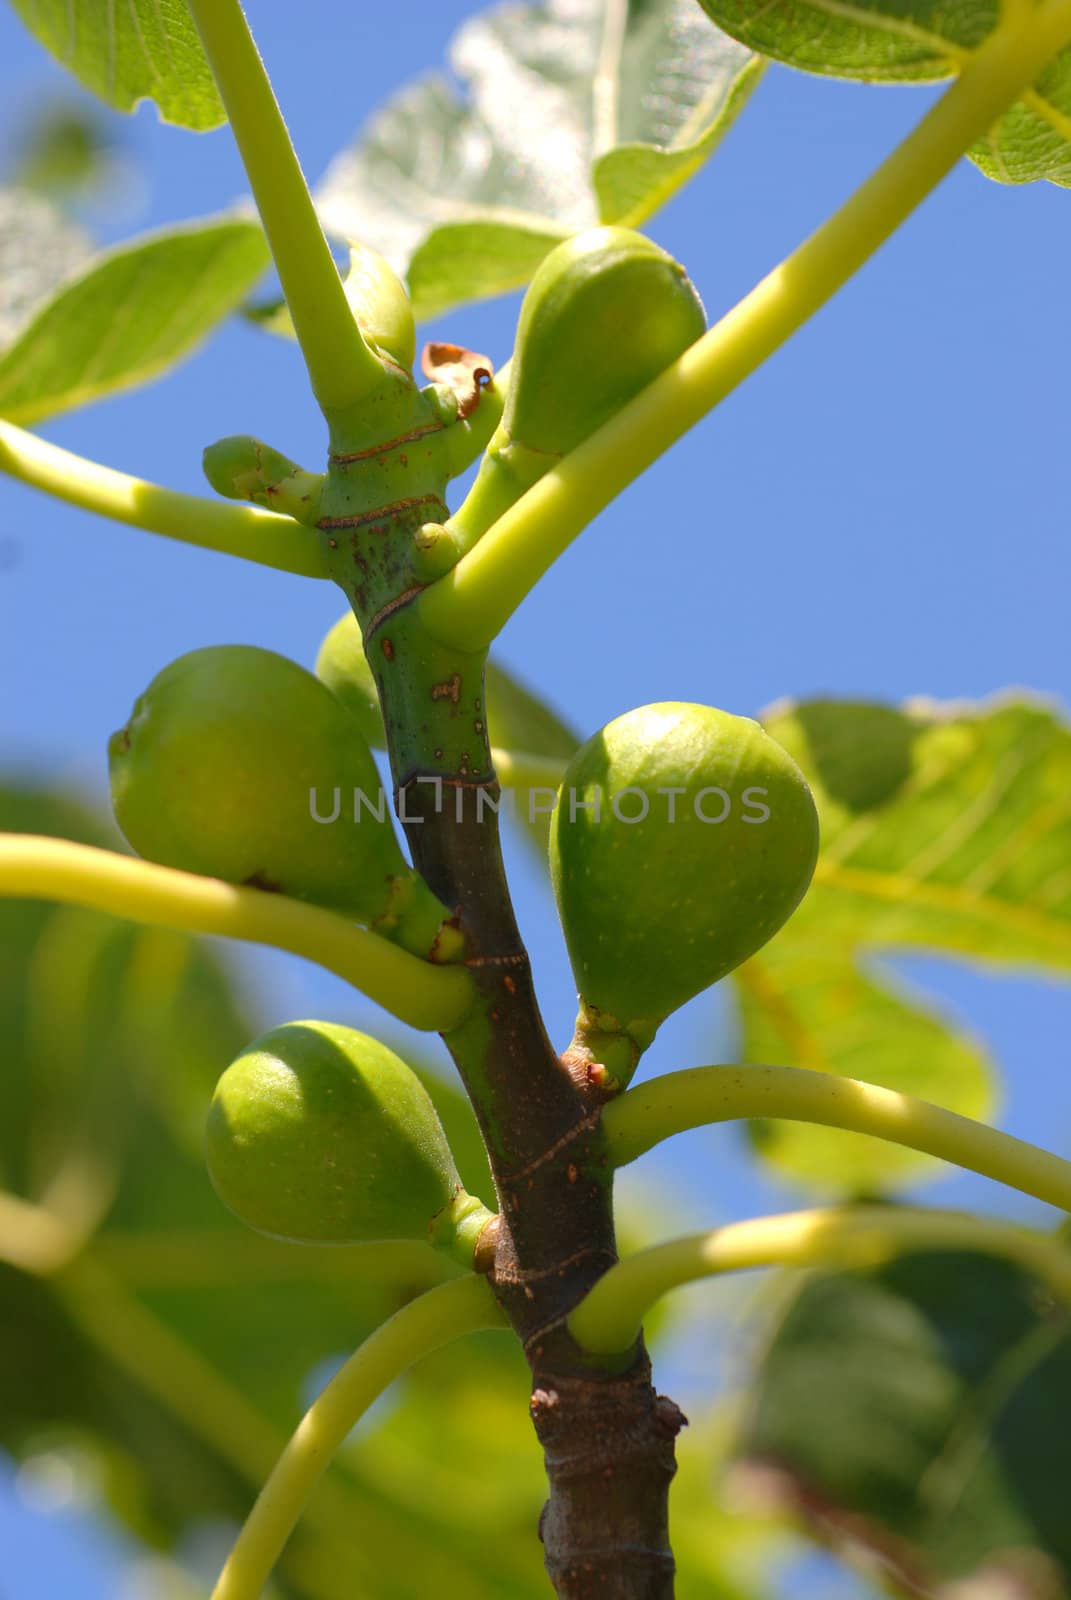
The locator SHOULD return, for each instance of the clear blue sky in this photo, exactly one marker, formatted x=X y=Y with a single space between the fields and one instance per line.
x=882 y=511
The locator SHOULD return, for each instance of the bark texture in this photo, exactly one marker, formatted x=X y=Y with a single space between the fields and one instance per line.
x=607 y=1437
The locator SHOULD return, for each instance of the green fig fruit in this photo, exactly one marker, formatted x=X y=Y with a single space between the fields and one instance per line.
x=343 y=666
x=321 y=1134
x=606 y=312
x=239 y=764
x=683 y=839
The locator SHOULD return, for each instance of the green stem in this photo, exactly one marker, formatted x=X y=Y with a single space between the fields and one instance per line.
x=471 y=603
x=341 y=367
x=651 y=1112
x=244 y=531
x=465 y=1305
x=609 y=1320
x=418 y=993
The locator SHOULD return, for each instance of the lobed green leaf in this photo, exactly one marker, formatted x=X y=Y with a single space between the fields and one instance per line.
x=945 y=830
x=911 y=1411
x=128 y=315
x=572 y=115
x=804 y=1006
x=140 y=50
x=1034 y=139
x=914 y=41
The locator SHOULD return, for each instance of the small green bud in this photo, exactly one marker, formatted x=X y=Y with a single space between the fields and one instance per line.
x=242 y=468
x=442 y=403
x=322 y=1134
x=379 y=301
x=435 y=549
x=683 y=839
x=239 y=764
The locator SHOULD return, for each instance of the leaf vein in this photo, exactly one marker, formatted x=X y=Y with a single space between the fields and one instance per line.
x=894 y=888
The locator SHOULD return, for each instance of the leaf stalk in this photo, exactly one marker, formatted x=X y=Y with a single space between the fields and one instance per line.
x=609 y=1319
x=342 y=369
x=435 y=1318
x=651 y=1112
x=234 y=530
x=424 y=996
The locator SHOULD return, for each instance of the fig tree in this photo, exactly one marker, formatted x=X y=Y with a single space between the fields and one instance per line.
x=683 y=838
x=321 y=1134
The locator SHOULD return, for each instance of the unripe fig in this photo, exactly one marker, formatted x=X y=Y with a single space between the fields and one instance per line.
x=605 y=313
x=379 y=301
x=322 y=1134
x=239 y=764
x=343 y=666
x=683 y=839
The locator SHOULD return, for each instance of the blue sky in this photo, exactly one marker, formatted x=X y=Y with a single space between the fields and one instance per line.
x=881 y=511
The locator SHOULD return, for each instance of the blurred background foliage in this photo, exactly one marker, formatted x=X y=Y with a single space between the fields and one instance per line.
x=163 y=1352
x=156 y=1353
